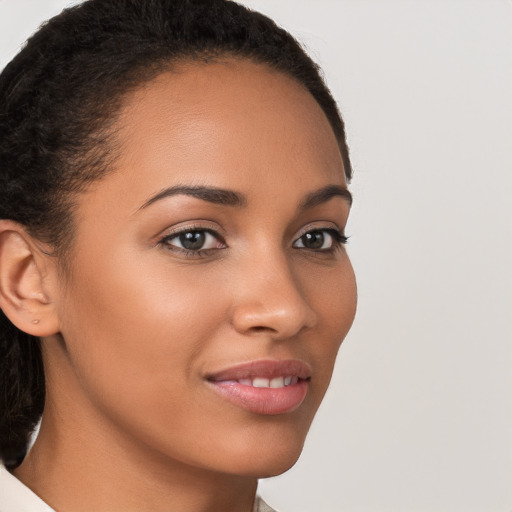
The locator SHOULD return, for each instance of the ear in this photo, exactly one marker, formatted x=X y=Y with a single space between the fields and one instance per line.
x=27 y=282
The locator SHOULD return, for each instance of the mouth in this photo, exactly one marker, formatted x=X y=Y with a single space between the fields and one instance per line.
x=275 y=383
x=265 y=387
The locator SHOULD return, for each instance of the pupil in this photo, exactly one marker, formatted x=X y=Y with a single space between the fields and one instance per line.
x=192 y=240
x=313 y=240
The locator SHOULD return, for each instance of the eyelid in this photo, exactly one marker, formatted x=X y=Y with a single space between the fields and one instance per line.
x=167 y=239
x=337 y=235
x=163 y=240
x=319 y=226
x=194 y=225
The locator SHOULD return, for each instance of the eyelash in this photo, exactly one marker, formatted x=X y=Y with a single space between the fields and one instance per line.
x=191 y=253
x=338 y=240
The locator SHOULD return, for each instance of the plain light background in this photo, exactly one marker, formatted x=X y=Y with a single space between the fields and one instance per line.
x=419 y=414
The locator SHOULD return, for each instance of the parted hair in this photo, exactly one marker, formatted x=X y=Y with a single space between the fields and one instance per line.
x=59 y=98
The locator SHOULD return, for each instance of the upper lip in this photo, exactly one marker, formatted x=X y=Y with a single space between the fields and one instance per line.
x=267 y=368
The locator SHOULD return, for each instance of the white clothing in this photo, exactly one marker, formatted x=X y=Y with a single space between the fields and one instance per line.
x=17 y=497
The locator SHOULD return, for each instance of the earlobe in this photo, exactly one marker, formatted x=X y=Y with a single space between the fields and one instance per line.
x=25 y=295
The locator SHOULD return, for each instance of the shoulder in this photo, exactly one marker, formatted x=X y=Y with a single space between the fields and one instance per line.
x=14 y=495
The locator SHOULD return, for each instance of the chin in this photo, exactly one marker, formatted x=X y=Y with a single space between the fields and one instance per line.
x=268 y=459
x=277 y=467
x=264 y=447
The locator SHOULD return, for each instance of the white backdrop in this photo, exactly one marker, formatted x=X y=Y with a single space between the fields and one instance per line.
x=419 y=415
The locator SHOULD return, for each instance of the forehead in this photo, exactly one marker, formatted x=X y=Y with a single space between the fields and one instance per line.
x=233 y=115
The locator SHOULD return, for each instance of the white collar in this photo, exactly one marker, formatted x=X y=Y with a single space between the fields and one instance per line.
x=17 y=497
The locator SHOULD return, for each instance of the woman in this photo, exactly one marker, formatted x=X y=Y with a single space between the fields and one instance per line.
x=173 y=202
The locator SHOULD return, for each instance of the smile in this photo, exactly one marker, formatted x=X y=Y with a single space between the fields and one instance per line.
x=262 y=382
x=264 y=387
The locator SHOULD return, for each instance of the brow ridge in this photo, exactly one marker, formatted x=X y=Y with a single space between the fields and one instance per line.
x=325 y=194
x=226 y=197
x=211 y=194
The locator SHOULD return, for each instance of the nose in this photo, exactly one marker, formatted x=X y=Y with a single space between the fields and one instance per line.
x=268 y=299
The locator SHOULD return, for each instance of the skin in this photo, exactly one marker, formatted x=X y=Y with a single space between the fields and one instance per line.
x=136 y=325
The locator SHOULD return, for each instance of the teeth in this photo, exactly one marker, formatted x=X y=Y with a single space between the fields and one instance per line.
x=276 y=382
x=261 y=383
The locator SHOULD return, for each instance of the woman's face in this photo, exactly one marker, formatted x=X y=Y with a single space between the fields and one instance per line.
x=209 y=289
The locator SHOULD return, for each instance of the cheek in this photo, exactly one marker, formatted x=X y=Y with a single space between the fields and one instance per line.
x=333 y=295
x=136 y=336
x=132 y=299
x=137 y=329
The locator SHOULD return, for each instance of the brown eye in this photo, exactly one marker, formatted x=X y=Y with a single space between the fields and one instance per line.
x=313 y=240
x=194 y=240
x=320 y=240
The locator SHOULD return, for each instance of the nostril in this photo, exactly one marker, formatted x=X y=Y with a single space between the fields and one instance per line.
x=260 y=328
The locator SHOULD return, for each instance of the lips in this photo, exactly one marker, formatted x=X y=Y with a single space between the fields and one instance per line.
x=264 y=387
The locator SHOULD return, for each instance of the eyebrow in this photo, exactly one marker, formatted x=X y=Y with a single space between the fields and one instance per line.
x=323 y=195
x=212 y=195
x=231 y=198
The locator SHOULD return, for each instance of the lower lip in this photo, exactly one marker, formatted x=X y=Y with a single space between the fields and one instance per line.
x=268 y=401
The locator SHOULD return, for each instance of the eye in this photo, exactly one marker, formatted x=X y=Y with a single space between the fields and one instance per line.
x=321 y=240
x=194 y=240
